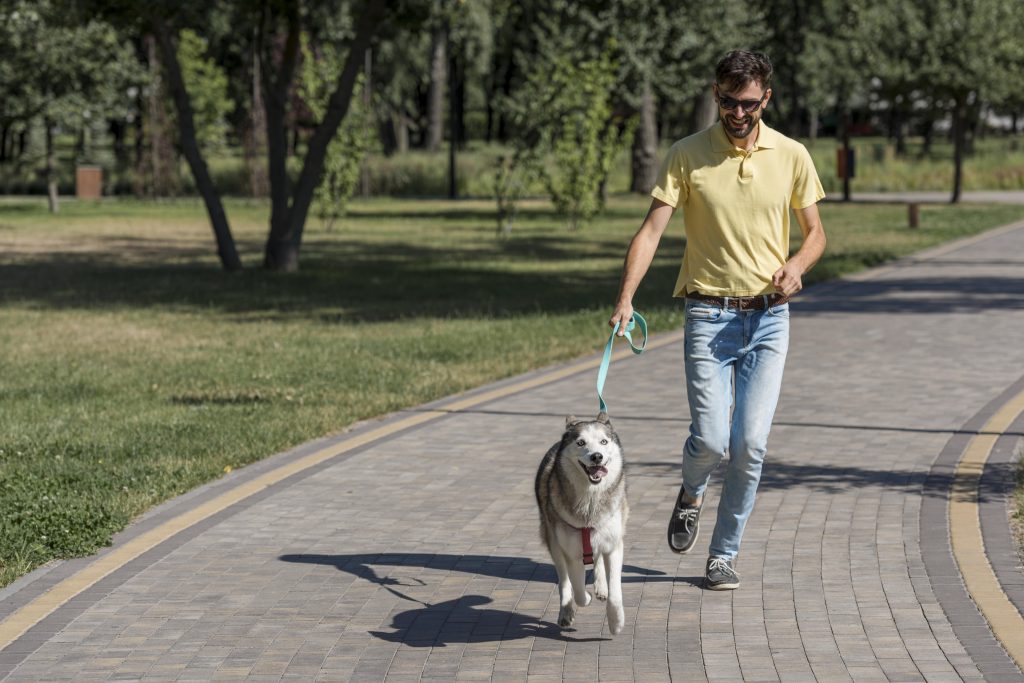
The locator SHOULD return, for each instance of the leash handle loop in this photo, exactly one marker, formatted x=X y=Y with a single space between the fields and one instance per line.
x=602 y=374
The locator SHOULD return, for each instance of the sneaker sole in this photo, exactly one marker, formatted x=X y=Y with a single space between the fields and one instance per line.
x=688 y=548
x=721 y=586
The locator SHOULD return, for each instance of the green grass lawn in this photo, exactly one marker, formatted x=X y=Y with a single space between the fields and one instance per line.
x=133 y=369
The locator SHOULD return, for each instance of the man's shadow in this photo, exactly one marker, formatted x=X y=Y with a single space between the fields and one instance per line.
x=460 y=620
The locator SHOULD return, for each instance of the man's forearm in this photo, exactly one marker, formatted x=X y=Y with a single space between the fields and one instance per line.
x=810 y=251
x=642 y=248
x=638 y=260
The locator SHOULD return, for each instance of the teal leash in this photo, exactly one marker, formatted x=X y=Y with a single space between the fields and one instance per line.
x=602 y=373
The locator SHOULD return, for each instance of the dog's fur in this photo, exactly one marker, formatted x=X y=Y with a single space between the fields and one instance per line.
x=581 y=483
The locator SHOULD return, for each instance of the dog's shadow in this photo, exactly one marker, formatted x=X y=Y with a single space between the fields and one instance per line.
x=462 y=620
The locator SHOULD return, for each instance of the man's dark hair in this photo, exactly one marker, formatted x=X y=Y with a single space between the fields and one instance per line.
x=740 y=67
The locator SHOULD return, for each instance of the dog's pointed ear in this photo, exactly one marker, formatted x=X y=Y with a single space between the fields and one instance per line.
x=570 y=420
x=603 y=418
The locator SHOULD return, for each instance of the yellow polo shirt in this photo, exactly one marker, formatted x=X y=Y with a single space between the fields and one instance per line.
x=735 y=207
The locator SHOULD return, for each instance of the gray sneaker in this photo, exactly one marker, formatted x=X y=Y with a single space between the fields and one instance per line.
x=720 y=576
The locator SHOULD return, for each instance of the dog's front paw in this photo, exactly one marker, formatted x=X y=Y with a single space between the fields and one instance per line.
x=616 y=619
x=582 y=598
x=601 y=590
x=567 y=615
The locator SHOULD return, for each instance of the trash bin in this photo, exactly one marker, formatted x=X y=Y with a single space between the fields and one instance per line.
x=88 y=182
x=846 y=164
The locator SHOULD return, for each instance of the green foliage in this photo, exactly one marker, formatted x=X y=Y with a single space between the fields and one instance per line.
x=354 y=139
x=207 y=85
x=582 y=139
x=513 y=176
x=838 y=37
x=566 y=135
x=73 y=74
x=971 y=47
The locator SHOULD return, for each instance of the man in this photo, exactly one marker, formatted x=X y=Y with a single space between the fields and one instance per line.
x=735 y=183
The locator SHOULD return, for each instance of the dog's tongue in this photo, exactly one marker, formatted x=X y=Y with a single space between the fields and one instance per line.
x=597 y=472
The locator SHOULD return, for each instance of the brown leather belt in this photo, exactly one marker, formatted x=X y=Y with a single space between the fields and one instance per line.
x=741 y=303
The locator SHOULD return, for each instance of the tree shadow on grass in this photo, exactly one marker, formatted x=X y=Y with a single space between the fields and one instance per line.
x=339 y=281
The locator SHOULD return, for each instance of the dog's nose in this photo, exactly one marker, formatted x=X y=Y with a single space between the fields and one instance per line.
x=597 y=458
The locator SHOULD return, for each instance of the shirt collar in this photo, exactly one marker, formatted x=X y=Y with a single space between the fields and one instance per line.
x=766 y=138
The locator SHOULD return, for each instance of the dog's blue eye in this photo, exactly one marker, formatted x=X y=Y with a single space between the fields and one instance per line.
x=604 y=442
x=581 y=442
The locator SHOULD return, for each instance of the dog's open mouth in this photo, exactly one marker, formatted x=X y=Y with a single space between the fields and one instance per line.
x=595 y=472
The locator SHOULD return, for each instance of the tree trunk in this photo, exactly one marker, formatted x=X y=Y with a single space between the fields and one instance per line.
x=506 y=90
x=158 y=161
x=140 y=145
x=4 y=131
x=288 y=218
x=928 y=135
x=645 y=144
x=278 y=253
x=975 y=126
x=844 y=136
x=459 y=89
x=80 y=143
x=118 y=130
x=186 y=128
x=959 y=124
x=254 y=140
x=453 y=123
x=812 y=127
x=898 y=126
x=364 y=168
x=401 y=123
x=51 y=169
x=489 y=92
x=438 y=81
x=705 y=112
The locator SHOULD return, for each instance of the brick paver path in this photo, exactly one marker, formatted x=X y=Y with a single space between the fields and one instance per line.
x=417 y=557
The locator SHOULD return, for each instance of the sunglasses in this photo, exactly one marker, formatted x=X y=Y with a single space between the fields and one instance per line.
x=748 y=106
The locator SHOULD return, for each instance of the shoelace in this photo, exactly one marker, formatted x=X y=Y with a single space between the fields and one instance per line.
x=719 y=563
x=688 y=514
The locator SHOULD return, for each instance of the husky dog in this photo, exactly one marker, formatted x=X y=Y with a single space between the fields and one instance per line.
x=581 y=485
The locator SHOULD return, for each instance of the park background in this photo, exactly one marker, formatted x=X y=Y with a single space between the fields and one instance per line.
x=314 y=214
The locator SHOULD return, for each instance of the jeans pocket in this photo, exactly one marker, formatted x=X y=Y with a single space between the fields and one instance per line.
x=702 y=311
x=779 y=311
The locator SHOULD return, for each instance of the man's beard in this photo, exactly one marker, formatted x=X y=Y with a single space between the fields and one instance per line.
x=739 y=128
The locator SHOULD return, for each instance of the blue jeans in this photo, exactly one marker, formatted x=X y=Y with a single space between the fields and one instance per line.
x=731 y=353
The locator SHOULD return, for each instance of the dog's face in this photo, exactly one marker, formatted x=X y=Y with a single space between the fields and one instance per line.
x=595 y=446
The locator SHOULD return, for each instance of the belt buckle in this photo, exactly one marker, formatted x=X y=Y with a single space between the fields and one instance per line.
x=746 y=303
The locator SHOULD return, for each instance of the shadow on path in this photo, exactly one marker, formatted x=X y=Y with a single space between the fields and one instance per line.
x=686 y=420
x=462 y=620
x=973 y=294
x=778 y=474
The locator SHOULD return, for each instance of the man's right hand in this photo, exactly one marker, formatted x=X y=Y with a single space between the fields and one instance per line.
x=622 y=314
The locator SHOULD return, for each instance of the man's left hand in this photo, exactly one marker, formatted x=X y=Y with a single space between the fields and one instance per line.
x=788 y=279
